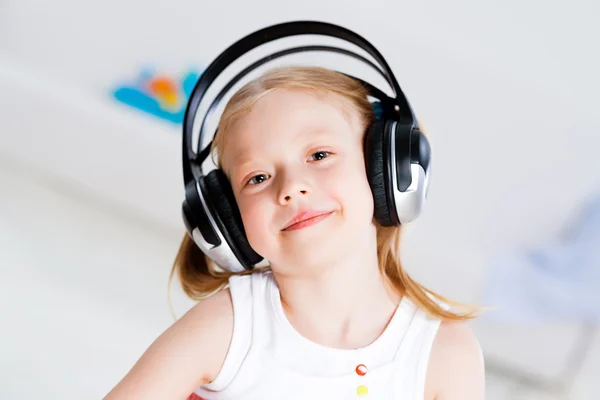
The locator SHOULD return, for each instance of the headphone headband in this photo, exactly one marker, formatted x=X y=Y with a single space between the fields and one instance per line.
x=257 y=39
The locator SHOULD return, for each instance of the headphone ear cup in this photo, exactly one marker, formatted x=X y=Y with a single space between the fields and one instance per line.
x=375 y=140
x=221 y=197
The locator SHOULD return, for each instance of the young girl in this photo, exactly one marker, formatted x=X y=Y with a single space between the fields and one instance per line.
x=334 y=315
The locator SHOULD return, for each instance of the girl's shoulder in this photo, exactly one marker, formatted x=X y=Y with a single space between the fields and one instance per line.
x=185 y=356
x=456 y=365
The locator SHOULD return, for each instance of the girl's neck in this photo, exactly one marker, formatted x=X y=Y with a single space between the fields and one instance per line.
x=348 y=305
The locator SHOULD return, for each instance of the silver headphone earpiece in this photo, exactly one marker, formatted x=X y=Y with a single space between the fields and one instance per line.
x=409 y=203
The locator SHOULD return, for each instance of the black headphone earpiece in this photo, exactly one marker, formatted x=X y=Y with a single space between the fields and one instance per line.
x=393 y=154
x=375 y=167
x=397 y=155
x=220 y=195
x=211 y=203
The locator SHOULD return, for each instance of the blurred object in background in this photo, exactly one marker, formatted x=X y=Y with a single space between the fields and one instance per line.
x=159 y=94
x=557 y=281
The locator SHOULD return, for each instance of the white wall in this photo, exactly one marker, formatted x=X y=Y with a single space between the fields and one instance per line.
x=508 y=92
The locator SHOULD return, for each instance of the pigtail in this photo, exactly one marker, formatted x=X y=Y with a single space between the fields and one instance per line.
x=199 y=276
x=437 y=306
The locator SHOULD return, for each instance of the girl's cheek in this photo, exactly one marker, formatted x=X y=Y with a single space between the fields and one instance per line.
x=251 y=209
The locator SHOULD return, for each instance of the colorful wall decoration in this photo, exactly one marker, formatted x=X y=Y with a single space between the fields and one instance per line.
x=159 y=94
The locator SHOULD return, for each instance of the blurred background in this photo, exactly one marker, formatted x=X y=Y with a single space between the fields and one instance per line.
x=91 y=99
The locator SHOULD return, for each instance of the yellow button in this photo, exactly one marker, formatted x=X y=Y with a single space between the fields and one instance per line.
x=362 y=390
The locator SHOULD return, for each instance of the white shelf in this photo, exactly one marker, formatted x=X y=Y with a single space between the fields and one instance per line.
x=122 y=156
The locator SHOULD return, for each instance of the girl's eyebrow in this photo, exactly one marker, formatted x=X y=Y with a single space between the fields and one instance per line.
x=235 y=173
x=315 y=132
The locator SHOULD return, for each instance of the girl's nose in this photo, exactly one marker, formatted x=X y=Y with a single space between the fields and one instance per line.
x=292 y=188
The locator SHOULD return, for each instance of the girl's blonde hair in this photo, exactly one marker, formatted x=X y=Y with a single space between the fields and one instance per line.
x=200 y=276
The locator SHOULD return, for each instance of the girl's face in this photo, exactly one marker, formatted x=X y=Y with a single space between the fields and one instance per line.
x=297 y=152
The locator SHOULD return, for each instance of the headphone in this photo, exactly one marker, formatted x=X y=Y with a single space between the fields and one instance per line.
x=397 y=154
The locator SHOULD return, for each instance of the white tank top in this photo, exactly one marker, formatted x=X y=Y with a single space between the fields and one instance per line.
x=269 y=359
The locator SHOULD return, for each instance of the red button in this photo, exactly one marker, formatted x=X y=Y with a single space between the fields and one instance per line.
x=361 y=370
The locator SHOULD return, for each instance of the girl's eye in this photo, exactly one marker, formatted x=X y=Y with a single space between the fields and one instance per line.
x=260 y=178
x=321 y=155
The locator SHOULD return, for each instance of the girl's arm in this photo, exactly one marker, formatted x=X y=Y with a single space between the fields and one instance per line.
x=187 y=355
x=456 y=367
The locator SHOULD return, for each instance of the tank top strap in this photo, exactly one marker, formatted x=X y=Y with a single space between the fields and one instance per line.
x=241 y=290
x=260 y=294
x=412 y=356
